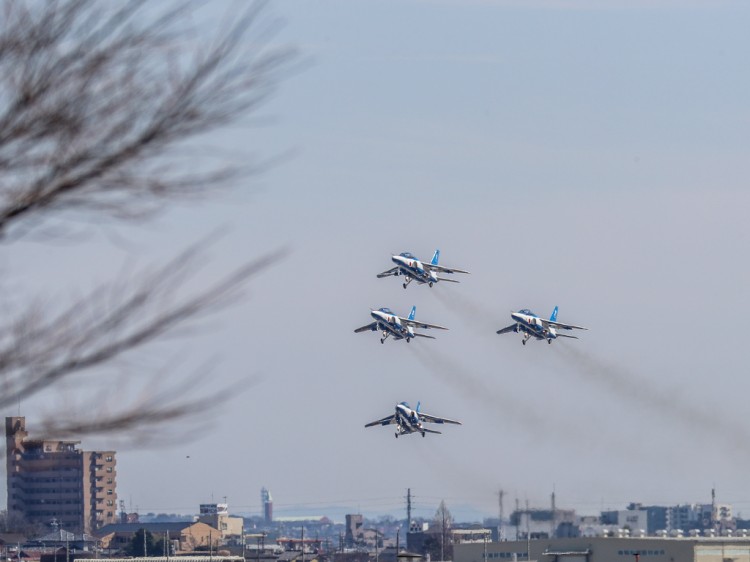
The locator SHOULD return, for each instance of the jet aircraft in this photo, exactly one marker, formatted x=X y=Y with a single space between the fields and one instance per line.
x=532 y=325
x=414 y=270
x=392 y=325
x=411 y=421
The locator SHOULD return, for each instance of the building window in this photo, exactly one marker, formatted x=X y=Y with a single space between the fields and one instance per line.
x=109 y=469
x=109 y=458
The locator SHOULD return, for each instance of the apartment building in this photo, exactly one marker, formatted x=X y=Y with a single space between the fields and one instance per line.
x=53 y=480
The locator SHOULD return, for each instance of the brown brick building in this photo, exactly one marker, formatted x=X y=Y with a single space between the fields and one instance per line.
x=50 y=479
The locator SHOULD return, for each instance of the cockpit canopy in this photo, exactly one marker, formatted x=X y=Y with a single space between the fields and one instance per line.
x=408 y=255
x=405 y=404
x=526 y=311
x=386 y=310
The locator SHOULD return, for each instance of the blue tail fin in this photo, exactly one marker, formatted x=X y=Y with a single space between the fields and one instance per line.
x=413 y=312
x=435 y=257
x=553 y=318
x=418 y=404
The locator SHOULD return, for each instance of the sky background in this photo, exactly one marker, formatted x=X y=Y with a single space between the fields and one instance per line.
x=591 y=155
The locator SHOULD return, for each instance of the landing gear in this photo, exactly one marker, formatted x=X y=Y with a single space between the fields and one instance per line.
x=526 y=338
x=549 y=340
x=382 y=340
x=430 y=286
x=397 y=435
x=408 y=340
x=385 y=337
x=405 y=285
x=522 y=341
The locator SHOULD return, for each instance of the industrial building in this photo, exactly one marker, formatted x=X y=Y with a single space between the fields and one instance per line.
x=267 y=502
x=54 y=481
x=216 y=515
x=185 y=536
x=608 y=549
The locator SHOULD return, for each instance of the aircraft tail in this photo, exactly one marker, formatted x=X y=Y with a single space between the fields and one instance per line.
x=553 y=318
x=435 y=257
x=413 y=313
x=418 y=405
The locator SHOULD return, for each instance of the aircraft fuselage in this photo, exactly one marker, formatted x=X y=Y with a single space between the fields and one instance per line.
x=534 y=326
x=413 y=268
x=407 y=420
x=391 y=324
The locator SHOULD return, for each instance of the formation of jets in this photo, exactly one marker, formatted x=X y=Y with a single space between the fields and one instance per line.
x=411 y=421
x=408 y=266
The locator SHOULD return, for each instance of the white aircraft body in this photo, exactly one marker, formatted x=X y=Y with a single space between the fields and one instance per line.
x=411 y=421
x=392 y=325
x=414 y=270
x=532 y=325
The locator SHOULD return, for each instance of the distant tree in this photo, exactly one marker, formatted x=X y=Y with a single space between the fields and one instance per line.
x=441 y=525
x=154 y=546
x=101 y=107
x=15 y=523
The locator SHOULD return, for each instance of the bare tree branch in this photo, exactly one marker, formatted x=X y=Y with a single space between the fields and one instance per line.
x=39 y=349
x=94 y=104
x=101 y=107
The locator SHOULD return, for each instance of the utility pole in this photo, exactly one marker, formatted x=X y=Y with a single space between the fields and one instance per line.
x=500 y=529
x=552 y=523
x=528 y=531
x=408 y=510
x=518 y=518
x=145 y=547
x=302 y=543
x=713 y=508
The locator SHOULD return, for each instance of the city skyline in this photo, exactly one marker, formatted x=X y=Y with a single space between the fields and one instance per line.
x=575 y=155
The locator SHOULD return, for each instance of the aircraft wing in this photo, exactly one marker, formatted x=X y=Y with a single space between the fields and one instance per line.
x=564 y=326
x=511 y=328
x=435 y=419
x=566 y=336
x=431 y=431
x=389 y=272
x=385 y=421
x=407 y=322
x=443 y=269
x=370 y=327
x=423 y=336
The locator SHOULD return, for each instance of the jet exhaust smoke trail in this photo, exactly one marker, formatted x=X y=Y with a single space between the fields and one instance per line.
x=625 y=385
x=470 y=385
x=470 y=311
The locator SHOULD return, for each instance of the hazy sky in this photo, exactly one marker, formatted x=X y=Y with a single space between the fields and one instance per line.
x=591 y=155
